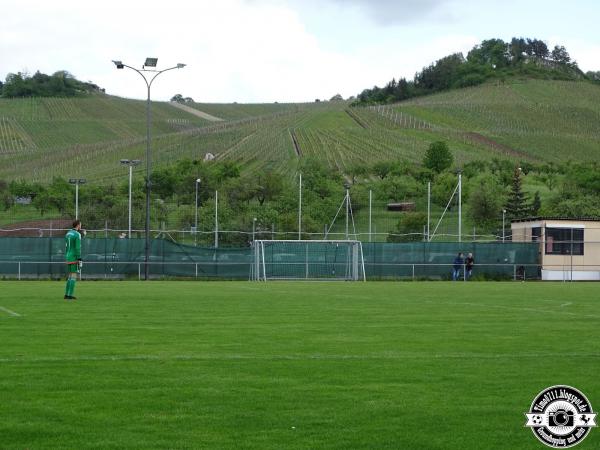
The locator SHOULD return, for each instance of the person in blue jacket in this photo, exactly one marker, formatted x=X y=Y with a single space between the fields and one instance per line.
x=456 y=266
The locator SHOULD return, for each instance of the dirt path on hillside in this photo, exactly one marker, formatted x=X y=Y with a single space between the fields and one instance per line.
x=196 y=112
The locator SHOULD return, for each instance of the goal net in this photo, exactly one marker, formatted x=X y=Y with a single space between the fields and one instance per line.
x=308 y=260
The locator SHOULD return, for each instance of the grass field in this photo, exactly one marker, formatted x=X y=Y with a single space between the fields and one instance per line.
x=290 y=365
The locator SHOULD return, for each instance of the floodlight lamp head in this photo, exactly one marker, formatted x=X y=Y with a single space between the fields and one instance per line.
x=151 y=62
x=119 y=64
x=125 y=161
x=198 y=180
x=73 y=180
x=181 y=65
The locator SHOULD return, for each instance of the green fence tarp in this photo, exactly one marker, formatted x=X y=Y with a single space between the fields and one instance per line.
x=124 y=258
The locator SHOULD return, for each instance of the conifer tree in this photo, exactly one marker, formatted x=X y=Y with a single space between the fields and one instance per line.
x=517 y=205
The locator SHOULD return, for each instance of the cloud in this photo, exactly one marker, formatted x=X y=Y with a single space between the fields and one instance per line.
x=391 y=12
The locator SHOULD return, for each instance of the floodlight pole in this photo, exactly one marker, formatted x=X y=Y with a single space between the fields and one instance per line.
x=148 y=82
x=300 y=208
x=77 y=182
x=503 y=217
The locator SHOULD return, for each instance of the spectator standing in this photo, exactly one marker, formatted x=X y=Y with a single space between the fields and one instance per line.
x=456 y=266
x=469 y=263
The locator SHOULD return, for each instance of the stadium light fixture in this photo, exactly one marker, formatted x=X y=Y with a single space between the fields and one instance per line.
x=131 y=163
x=150 y=62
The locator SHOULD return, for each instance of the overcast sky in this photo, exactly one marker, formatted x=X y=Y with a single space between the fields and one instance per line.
x=274 y=50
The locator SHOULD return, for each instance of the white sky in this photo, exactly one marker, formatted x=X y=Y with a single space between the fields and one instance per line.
x=274 y=50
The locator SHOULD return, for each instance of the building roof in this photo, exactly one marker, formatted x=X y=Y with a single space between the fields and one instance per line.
x=538 y=218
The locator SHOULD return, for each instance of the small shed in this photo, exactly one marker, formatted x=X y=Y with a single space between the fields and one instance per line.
x=569 y=247
x=401 y=206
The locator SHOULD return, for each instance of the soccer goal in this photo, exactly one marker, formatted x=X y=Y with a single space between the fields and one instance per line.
x=308 y=260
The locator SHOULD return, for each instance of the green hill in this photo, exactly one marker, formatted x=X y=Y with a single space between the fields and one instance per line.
x=522 y=120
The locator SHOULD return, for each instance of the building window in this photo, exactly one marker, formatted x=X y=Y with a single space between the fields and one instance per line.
x=536 y=234
x=564 y=241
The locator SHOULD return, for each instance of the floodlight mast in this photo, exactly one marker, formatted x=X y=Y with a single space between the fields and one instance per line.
x=150 y=62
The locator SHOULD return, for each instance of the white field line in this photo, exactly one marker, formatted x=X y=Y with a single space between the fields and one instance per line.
x=309 y=357
x=547 y=311
x=566 y=304
x=12 y=313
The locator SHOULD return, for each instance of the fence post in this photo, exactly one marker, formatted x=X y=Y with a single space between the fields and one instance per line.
x=19 y=270
x=196 y=269
x=139 y=271
x=514 y=272
x=413 y=271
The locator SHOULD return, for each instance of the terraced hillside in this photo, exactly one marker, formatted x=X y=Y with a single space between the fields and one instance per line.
x=539 y=121
x=533 y=119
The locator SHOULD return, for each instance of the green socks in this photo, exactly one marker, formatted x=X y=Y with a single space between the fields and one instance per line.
x=70 y=287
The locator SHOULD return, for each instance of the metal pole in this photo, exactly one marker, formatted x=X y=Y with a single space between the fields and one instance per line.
x=216 y=219
x=459 y=207
x=253 y=228
x=129 y=214
x=77 y=200
x=347 y=212
x=370 y=210
x=428 y=207
x=503 y=217
x=300 y=209
x=148 y=187
x=571 y=254
x=196 y=217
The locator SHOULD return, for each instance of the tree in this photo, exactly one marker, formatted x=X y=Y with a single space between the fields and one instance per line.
x=485 y=203
x=536 y=204
x=268 y=186
x=560 y=55
x=409 y=228
x=382 y=168
x=438 y=157
x=516 y=205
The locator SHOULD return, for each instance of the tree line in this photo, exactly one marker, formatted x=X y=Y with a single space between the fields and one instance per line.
x=491 y=59
x=267 y=199
x=59 y=84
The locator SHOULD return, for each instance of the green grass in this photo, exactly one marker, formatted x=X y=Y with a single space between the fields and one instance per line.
x=290 y=365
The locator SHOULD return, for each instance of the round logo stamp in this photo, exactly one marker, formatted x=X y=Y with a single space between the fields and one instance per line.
x=560 y=416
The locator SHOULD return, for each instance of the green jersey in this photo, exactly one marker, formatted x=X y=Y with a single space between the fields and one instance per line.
x=73 y=246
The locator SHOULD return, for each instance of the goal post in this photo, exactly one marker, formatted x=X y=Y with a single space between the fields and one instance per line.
x=308 y=260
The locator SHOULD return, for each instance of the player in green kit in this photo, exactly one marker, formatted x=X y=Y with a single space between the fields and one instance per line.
x=73 y=257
